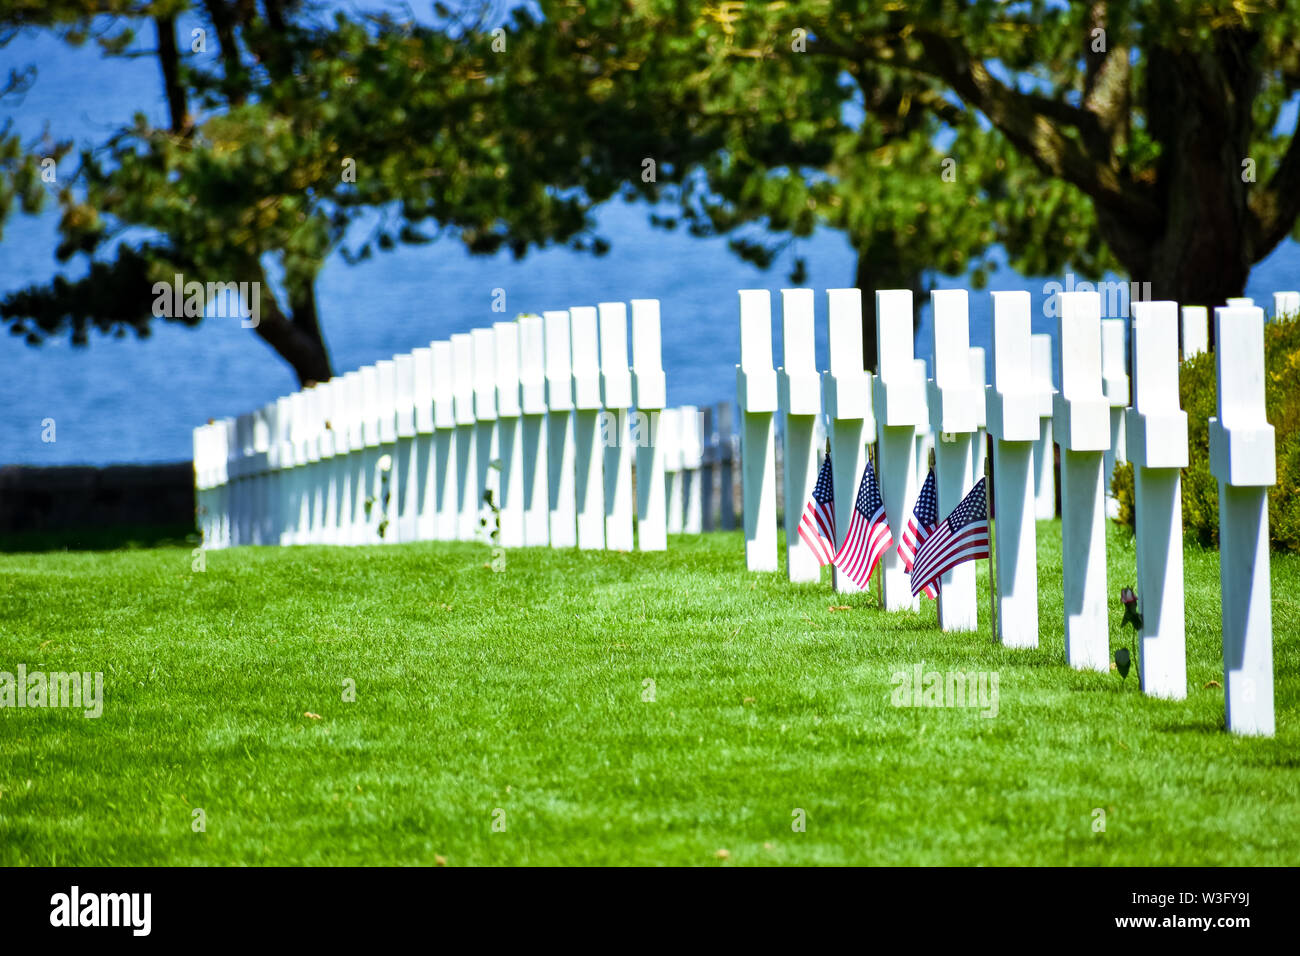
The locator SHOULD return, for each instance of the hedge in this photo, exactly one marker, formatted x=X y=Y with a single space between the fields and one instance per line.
x=1200 y=489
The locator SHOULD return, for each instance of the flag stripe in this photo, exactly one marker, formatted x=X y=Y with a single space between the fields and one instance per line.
x=817 y=524
x=868 y=536
x=962 y=536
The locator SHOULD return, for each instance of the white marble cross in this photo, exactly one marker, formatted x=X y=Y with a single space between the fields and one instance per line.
x=800 y=400
x=1115 y=386
x=388 y=481
x=589 y=452
x=1081 y=423
x=510 y=435
x=446 y=439
x=899 y=401
x=1040 y=351
x=979 y=381
x=691 y=424
x=846 y=396
x=484 y=357
x=354 y=389
x=1286 y=304
x=1013 y=424
x=616 y=395
x=1156 y=434
x=561 y=480
x=532 y=405
x=1243 y=459
x=756 y=396
x=467 y=468
x=649 y=397
x=1196 y=330
x=426 y=505
x=953 y=402
x=406 y=463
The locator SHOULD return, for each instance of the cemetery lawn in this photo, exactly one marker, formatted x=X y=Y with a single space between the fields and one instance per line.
x=518 y=697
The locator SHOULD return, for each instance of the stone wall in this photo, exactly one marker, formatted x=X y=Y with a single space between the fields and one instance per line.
x=40 y=499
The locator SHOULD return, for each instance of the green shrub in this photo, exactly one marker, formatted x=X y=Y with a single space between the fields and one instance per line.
x=1200 y=489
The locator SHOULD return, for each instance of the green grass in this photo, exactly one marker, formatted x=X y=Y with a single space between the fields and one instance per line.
x=523 y=691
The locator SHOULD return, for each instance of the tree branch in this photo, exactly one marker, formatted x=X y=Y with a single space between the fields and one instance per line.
x=1276 y=206
x=169 y=59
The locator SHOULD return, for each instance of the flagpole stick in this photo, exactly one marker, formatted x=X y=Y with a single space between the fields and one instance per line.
x=880 y=578
x=993 y=581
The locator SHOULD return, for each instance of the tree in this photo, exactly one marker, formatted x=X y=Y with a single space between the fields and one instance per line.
x=1133 y=135
x=284 y=133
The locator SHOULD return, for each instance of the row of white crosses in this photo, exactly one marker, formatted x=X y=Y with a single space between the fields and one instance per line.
x=1025 y=416
x=896 y=409
x=533 y=411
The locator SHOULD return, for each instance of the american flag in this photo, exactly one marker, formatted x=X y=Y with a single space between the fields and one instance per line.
x=817 y=526
x=921 y=524
x=868 y=538
x=963 y=536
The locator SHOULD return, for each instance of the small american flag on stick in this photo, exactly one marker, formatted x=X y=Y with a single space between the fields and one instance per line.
x=924 y=519
x=817 y=526
x=868 y=537
x=963 y=536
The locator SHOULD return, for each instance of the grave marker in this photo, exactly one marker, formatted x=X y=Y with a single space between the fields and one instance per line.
x=691 y=424
x=846 y=394
x=446 y=435
x=532 y=404
x=242 y=519
x=467 y=469
x=388 y=485
x=510 y=435
x=1285 y=304
x=355 y=389
x=589 y=452
x=1157 y=445
x=674 y=499
x=1082 y=426
x=952 y=403
x=1013 y=423
x=483 y=350
x=1243 y=459
x=1196 y=330
x=291 y=416
x=756 y=396
x=800 y=400
x=406 y=463
x=561 y=479
x=979 y=381
x=230 y=473
x=649 y=397
x=616 y=394
x=426 y=507
x=327 y=478
x=339 y=472
x=1115 y=386
x=899 y=402
x=1040 y=351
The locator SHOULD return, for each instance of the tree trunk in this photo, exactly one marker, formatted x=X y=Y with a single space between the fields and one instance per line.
x=1199 y=109
x=297 y=340
x=875 y=272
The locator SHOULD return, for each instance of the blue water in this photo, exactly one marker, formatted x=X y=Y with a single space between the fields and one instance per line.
x=124 y=400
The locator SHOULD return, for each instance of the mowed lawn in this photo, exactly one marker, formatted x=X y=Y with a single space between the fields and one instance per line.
x=517 y=698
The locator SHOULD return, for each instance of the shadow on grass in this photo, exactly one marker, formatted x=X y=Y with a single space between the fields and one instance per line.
x=118 y=538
